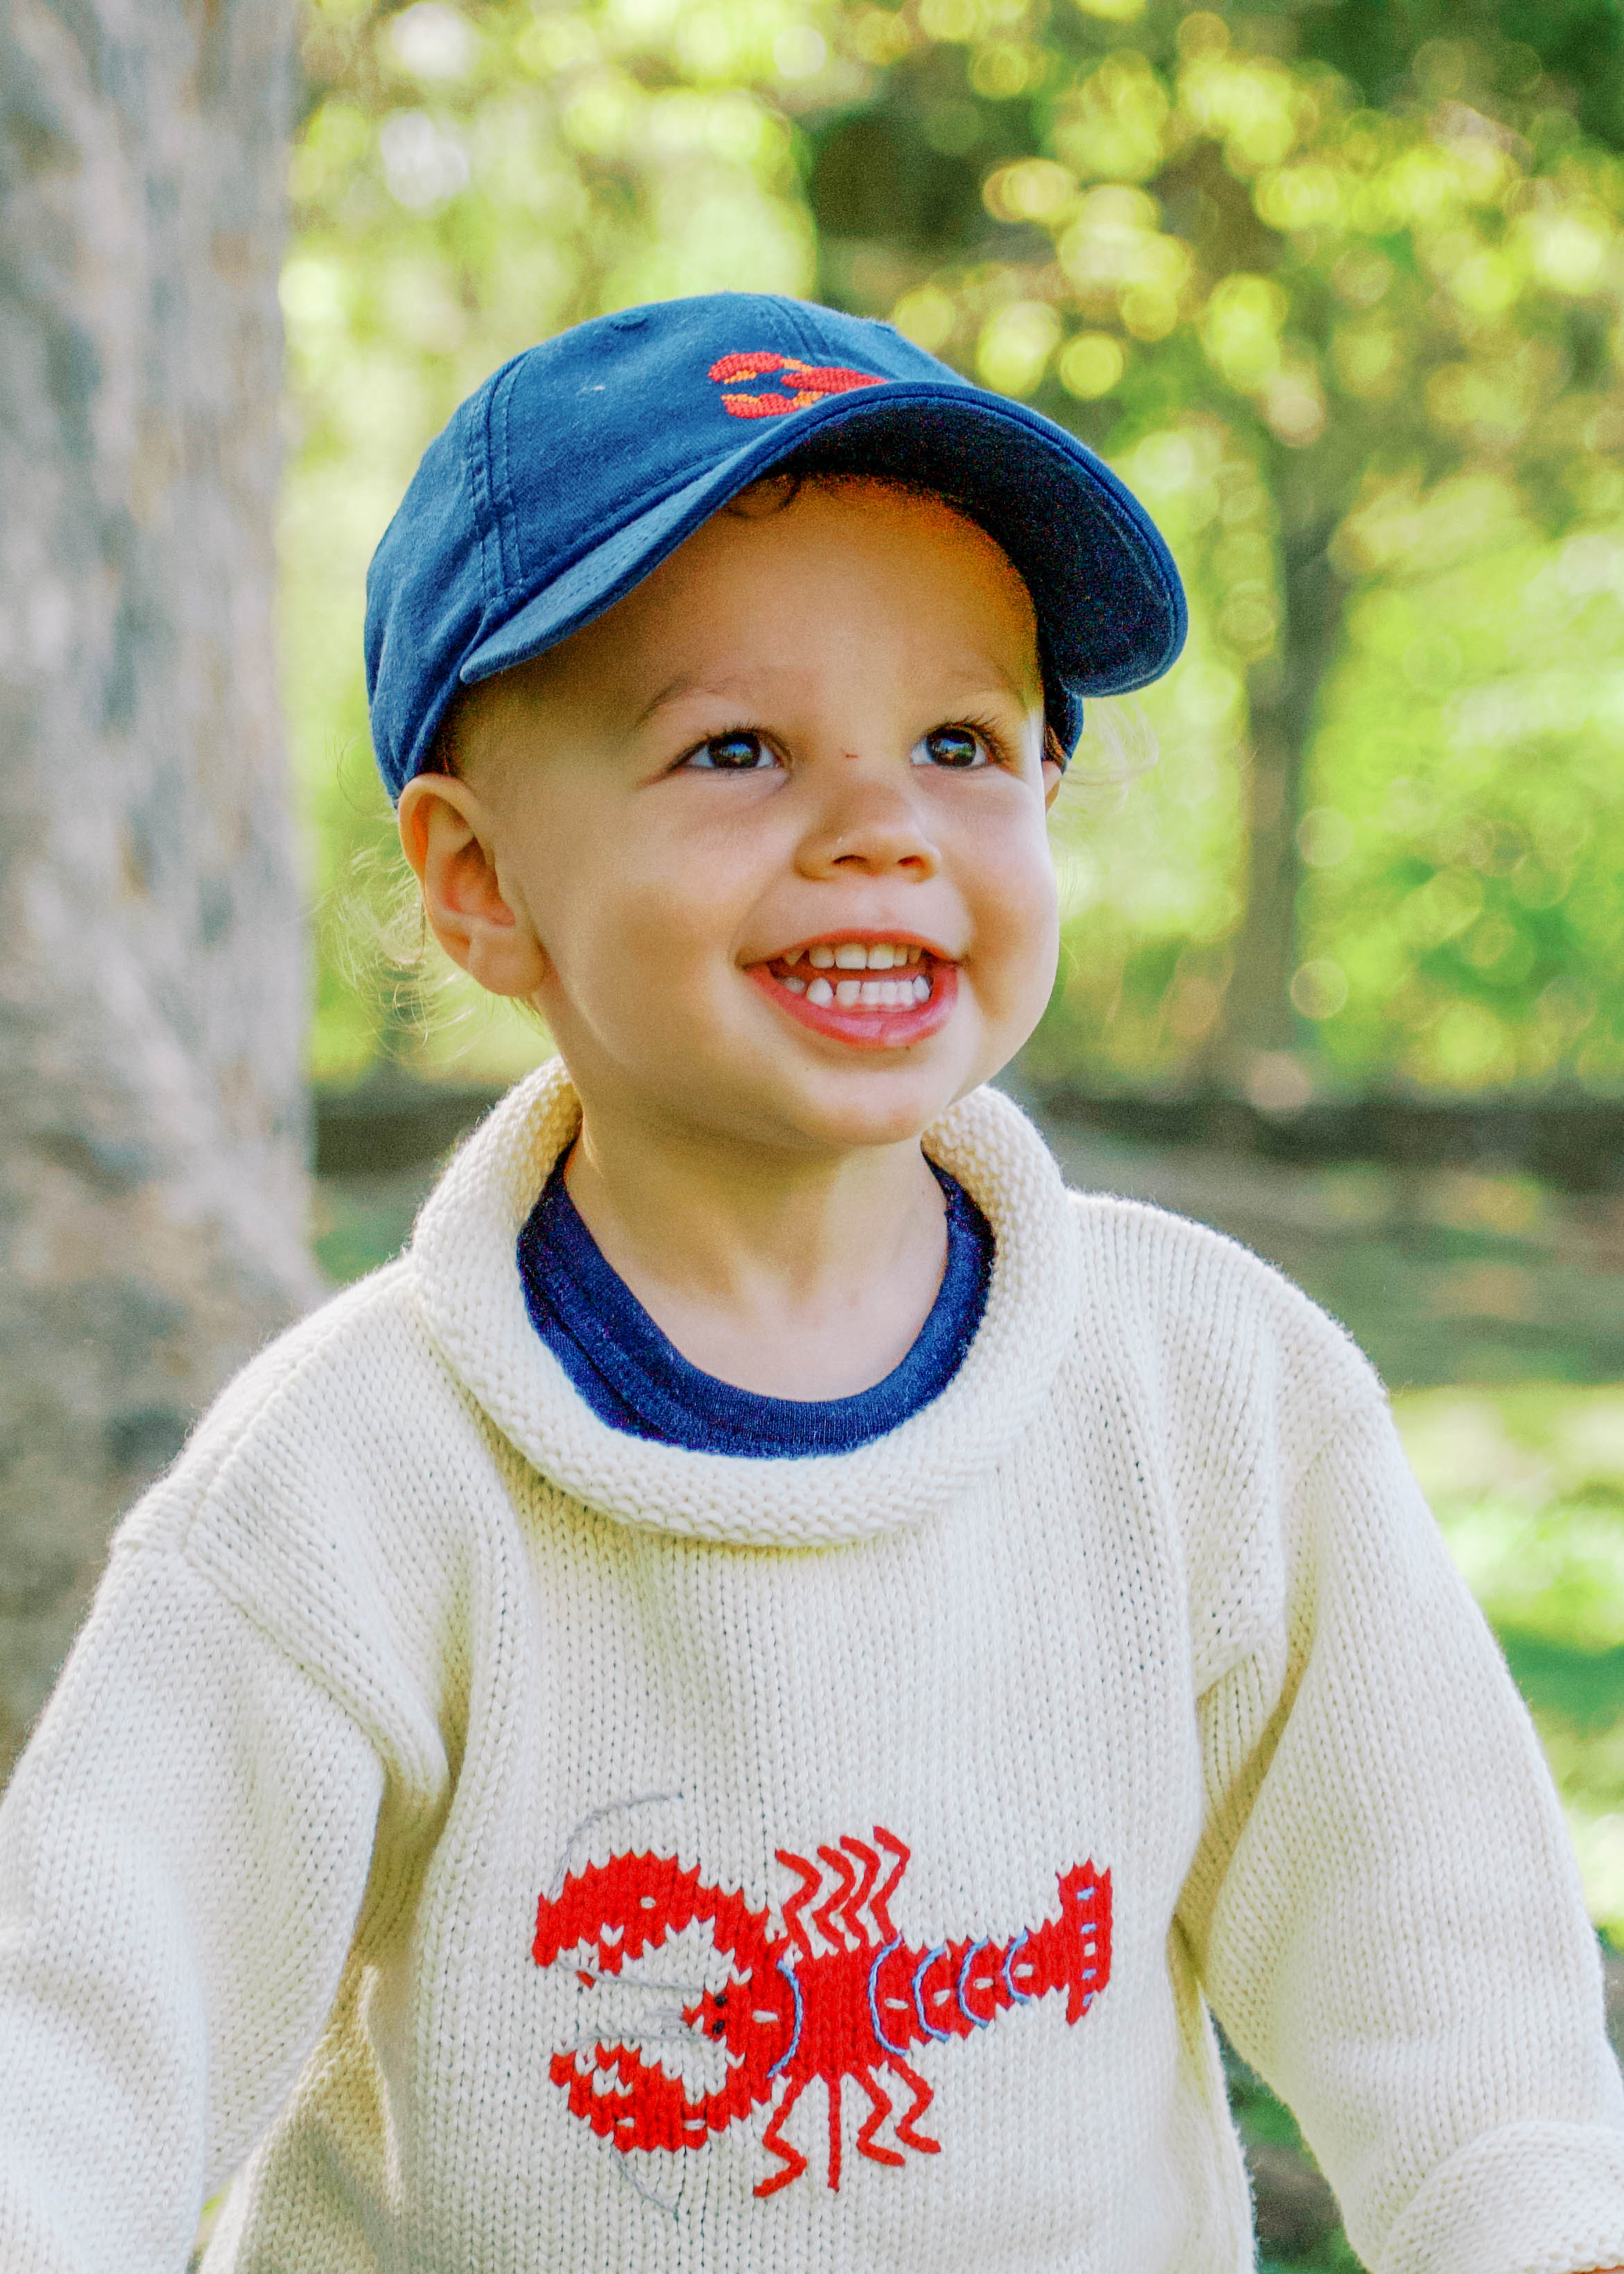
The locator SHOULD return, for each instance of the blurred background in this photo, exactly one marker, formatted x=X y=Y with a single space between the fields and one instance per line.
x=1336 y=285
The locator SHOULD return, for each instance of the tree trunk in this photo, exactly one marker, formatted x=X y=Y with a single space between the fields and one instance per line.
x=1258 y=1027
x=152 y=1121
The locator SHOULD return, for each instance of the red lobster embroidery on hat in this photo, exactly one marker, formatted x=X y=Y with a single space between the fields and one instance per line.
x=782 y=2009
x=811 y=381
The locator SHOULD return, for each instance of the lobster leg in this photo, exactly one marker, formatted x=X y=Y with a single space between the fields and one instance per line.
x=827 y=1913
x=834 y=2132
x=809 y=1876
x=871 y=1863
x=900 y=1858
x=786 y=2152
x=877 y=2114
x=922 y=2098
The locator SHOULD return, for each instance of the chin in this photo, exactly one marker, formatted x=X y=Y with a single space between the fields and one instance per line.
x=878 y=1105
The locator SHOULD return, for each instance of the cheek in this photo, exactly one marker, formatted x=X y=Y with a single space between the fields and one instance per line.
x=633 y=932
x=1018 y=910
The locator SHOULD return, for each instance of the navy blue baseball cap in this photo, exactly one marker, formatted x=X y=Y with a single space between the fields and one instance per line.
x=580 y=466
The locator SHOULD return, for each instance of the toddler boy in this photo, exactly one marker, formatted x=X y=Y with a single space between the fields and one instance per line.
x=735 y=1707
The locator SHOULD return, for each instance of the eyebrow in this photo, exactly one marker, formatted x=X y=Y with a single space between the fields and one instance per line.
x=1011 y=686
x=680 y=686
x=724 y=690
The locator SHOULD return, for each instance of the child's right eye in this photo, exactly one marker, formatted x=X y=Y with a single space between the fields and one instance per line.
x=732 y=754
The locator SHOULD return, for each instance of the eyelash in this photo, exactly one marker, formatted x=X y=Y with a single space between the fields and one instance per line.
x=984 y=734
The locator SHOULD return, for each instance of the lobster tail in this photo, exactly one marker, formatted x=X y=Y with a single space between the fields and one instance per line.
x=1085 y=1907
x=1072 y=1952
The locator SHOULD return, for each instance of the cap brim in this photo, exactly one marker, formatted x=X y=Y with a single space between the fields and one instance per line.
x=1108 y=598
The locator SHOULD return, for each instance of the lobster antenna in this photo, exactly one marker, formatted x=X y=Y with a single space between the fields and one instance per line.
x=902 y=1856
x=555 y=1887
x=621 y=2167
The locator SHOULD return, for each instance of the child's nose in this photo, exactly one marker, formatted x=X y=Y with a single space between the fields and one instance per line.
x=867 y=827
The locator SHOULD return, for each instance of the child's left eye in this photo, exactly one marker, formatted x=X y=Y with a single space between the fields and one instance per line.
x=732 y=754
x=958 y=747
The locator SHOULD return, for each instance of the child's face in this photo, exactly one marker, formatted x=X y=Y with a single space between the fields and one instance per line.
x=816 y=727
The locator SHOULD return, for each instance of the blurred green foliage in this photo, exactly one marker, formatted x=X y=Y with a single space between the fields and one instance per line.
x=1337 y=287
x=1528 y=1483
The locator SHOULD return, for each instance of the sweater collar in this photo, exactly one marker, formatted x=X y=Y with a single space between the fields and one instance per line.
x=464 y=1262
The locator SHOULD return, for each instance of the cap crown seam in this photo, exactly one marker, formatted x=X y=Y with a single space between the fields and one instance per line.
x=800 y=328
x=504 y=510
x=477 y=461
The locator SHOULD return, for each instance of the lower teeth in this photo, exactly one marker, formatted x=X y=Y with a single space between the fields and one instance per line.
x=852 y=994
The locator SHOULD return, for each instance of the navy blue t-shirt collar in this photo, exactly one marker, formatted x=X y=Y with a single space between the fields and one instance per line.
x=635 y=1379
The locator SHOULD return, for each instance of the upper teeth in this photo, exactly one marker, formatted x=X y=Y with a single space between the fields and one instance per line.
x=858 y=955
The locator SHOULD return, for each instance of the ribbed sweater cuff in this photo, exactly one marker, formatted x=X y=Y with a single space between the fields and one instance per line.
x=1526 y=2199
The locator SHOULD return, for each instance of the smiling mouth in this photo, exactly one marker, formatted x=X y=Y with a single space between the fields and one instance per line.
x=848 y=972
x=873 y=992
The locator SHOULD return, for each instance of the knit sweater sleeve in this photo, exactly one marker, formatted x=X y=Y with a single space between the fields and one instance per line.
x=1385 y=1908
x=182 y=1852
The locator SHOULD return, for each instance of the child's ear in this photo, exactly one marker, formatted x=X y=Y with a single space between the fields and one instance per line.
x=448 y=837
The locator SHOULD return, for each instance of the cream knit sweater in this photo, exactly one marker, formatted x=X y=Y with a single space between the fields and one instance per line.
x=536 y=1848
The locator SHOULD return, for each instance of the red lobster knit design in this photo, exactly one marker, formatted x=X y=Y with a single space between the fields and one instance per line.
x=811 y=382
x=791 y=2010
